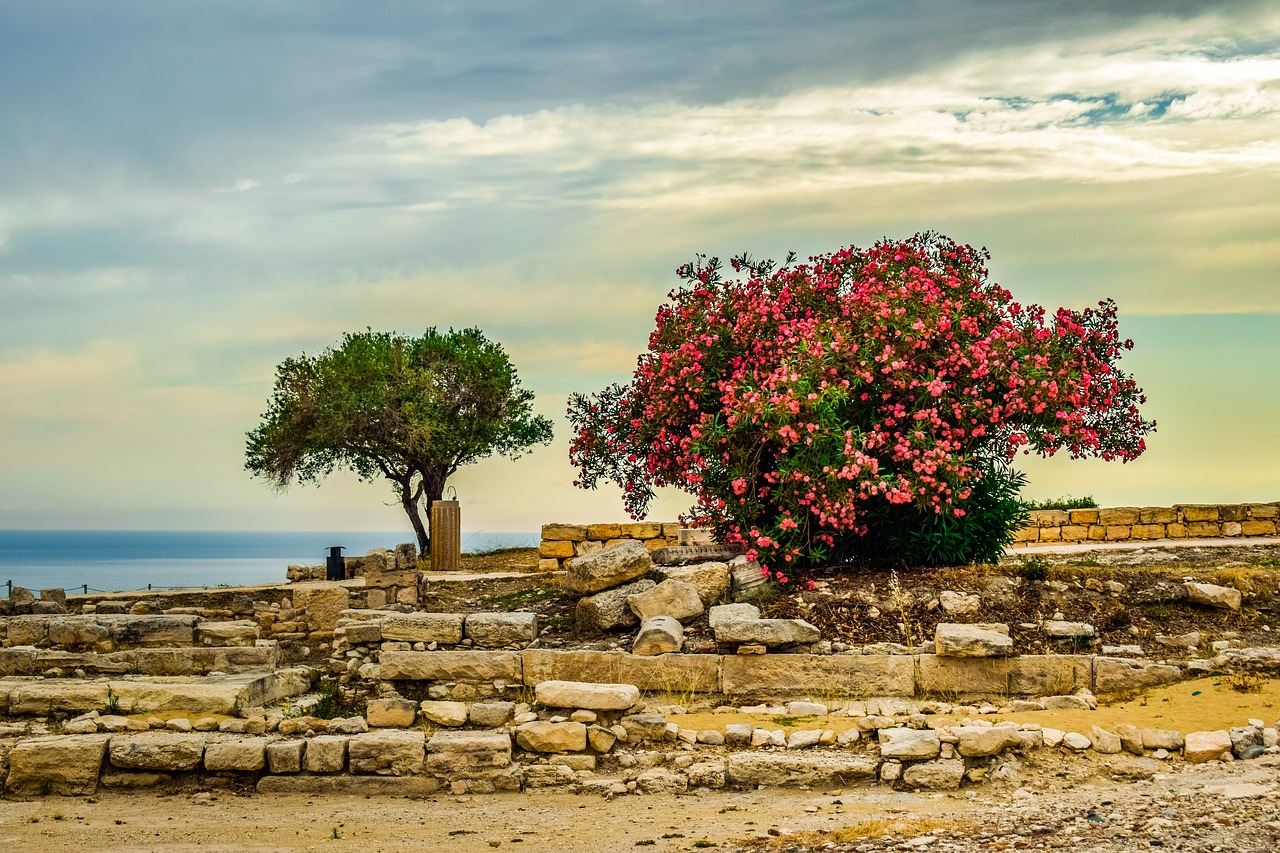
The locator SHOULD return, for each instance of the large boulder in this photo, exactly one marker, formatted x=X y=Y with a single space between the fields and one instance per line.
x=608 y=568
x=673 y=598
x=712 y=580
x=609 y=610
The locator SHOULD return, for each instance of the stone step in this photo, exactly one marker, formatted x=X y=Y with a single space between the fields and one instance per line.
x=211 y=694
x=29 y=660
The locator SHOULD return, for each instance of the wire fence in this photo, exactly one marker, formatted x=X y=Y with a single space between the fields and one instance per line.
x=85 y=589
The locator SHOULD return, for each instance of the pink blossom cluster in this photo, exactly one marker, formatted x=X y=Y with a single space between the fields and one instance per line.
x=786 y=399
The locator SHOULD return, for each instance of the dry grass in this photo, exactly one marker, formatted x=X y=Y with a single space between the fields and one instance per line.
x=902 y=829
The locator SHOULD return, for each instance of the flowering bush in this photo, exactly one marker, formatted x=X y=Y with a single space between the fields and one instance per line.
x=808 y=405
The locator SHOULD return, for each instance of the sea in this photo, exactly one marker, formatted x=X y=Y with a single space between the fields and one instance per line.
x=111 y=560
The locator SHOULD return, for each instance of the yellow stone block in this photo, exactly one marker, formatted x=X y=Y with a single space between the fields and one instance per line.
x=671 y=529
x=1118 y=516
x=555 y=548
x=1157 y=515
x=642 y=530
x=1075 y=533
x=1050 y=534
x=1118 y=531
x=1263 y=510
x=1200 y=529
x=1097 y=532
x=1083 y=516
x=1198 y=512
x=613 y=542
x=1148 y=531
x=1026 y=534
x=548 y=564
x=1233 y=512
x=570 y=532
x=1050 y=517
x=1258 y=528
x=1175 y=531
x=603 y=532
x=652 y=545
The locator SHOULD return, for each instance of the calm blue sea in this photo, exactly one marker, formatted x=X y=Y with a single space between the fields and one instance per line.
x=131 y=559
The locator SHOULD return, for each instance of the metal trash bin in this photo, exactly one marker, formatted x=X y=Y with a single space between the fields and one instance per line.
x=335 y=565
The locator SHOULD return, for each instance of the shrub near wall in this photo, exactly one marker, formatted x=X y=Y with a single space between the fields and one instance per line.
x=1183 y=521
x=562 y=542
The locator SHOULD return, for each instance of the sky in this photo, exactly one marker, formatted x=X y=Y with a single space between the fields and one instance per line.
x=190 y=193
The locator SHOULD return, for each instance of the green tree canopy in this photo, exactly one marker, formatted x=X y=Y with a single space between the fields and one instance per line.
x=409 y=410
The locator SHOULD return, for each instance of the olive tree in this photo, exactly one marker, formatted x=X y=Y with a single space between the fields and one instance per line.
x=408 y=410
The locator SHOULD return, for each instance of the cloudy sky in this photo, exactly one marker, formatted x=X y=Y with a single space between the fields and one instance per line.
x=190 y=193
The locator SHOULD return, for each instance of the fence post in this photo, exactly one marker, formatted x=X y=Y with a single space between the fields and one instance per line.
x=86 y=590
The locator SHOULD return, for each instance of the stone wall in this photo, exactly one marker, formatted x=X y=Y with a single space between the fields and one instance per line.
x=1182 y=521
x=561 y=542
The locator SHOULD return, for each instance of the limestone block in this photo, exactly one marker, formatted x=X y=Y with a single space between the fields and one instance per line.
x=1049 y=517
x=1175 y=531
x=548 y=564
x=589 y=696
x=1118 y=532
x=674 y=598
x=391 y=713
x=240 y=633
x=1076 y=741
x=548 y=776
x=847 y=675
x=711 y=579
x=1030 y=533
x=980 y=741
x=490 y=715
x=660 y=780
x=1201 y=529
x=944 y=774
x=1263 y=510
x=564 y=532
x=464 y=751
x=972 y=641
x=797 y=769
x=323 y=602
x=613 y=566
x=443 y=628
x=357 y=633
x=706 y=774
x=1233 y=512
x=285 y=756
x=1130 y=738
x=1058 y=630
x=641 y=530
x=911 y=744
x=587 y=547
x=1147 y=531
x=28 y=630
x=556 y=548
x=1258 y=528
x=67 y=765
x=245 y=754
x=326 y=754
x=1120 y=515
x=450 y=666
x=726 y=613
x=694 y=673
x=767 y=632
x=1083 y=516
x=958 y=602
x=686 y=555
x=1032 y=675
x=496 y=630
x=659 y=635
x=78 y=632
x=157 y=751
x=747 y=575
x=1158 y=515
x=645 y=727
x=608 y=610
x=601 y=739
x=452 y=714
x=1075 y=533
x=1050 y=534
x=394 y=753
x=604 y=532
x=39 y=697
x=1105 y=742
x=1212 y=595
x=1162 y=739
x=552 y=737
x=1201 y=747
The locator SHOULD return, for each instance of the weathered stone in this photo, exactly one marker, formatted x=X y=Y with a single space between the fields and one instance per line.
x=972 y=641
x=157 y=751
x=391 y=713
x=909 y=743
x=347 y=726
x=1130 y=738
x=455 y=751
x=848 y=675
x=594 y=697
x=1212 y=595
x=792 y=769
x=77 y=632
x=1059 y=630
x=393 y=753
x=490 y=715
x=323 y=602
x=645 y=727
x=285 y=756
x=496 y=630
x=685 y=555
x=613 y=566
x=1076 y=741
x=601 y=739
x=608 y=610
x=711 y=580
x=959 y=603
x=1243 y=738
x=944 y=774
x=452 y=714
x=67 y=765
x=673 y=598
x=564 y=532
x=325 y=754
x=980 y=741
x=746 y=576
x=1122 y=675
x=242 y=633
x=552 y=737
x=350 y=786
x=1201 y=747
x=548 y=776
x=659 y=635
x=706 y=774
x=660 y=780
x=804 y=738
x=1168 y=739
x=693 y=673
x=245 y=754
x=443 y=628
x=725 y=613
x=1108 y=743
x=767 y=632
x=1133 y=767
x=450 y=666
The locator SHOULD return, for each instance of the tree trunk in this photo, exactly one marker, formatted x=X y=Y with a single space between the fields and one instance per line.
x=431 y=489
x=409 y=502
